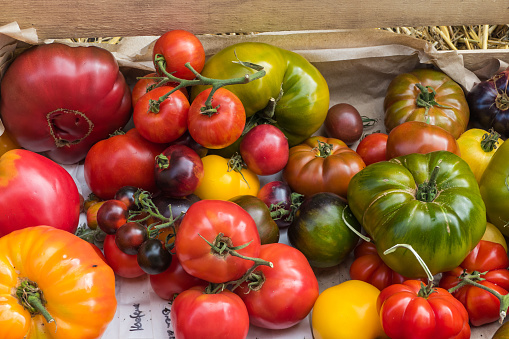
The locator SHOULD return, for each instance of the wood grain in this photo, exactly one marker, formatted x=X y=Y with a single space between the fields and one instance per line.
x=103 y=18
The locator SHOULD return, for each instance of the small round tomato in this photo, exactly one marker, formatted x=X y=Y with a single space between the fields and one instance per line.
x=111 y=215
x=372 y=148
x=161 y=121
x=347 y=311
x=344 y=122
x=280 y=200
x=124 y=265
x=179 y=47
x=130 y=236
x=264 y=149
x=91 y=214
x=221 y=124
x=153 y=257
x=220 y=181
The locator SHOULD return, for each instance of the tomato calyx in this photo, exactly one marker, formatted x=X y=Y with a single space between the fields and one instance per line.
x=162 y=161
x=426 y=99
x=278 y=211
x=31 y=297
x=489 y=141
x=323 y=150
x=427 y=191
x=236 y=163
x=502 y=101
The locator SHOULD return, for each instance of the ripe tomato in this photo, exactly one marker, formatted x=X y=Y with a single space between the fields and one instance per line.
x=264 y=149
x=372 y=148
x=7 y=142
x=221 y=223
x=111 y=215
x=146 y=84
x=124 y=265
x=344 y=122
x=179 y=47
x=221 y=127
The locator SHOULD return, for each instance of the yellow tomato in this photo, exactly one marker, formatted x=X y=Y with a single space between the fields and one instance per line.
x=220 y=182
x=477 y=147
x=493 y=234
x=6 y=141
x=347 y=311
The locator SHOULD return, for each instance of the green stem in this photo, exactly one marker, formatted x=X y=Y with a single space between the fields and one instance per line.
x=489 y=141
x=30 y=296
x=426 y=99
x=236 y=163
x=359 y=234
x=367 y=121
x=324 y=149
x=427 y=191
x=162 y=161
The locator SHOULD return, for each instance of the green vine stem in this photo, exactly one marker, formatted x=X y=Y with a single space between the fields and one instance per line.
x=30 y=296
x=359 y=234
x=324 y=149
x=427 y=191
x=278 y=211
x=489 y=141
x=426 y=99
x=367 y=121
x=236 y=163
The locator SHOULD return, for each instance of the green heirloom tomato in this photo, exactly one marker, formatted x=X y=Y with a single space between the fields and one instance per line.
x=300 y=90
x=429 y=201
x=320 y=232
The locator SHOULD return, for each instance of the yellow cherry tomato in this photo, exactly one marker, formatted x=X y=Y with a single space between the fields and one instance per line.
x=221 y=182
x=347 y=311
x=493 y=234
x=477 y=147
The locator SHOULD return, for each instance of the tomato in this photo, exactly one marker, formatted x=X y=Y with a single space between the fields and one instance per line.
x=264 y=149
x=222 y=182
x=405 y=200
x=220 y=223
x=372 y=148
x=281 y=201
x=92 y=214
x=409 y=310
x=493 y=234
x=369 y=267
x=198 y=314
x=161 y=122
x=489 y=103
x=174 y=207
x=321 y=165
x=502 y=332
x=321 y=229
x=477 y=148
x=130 y=236
x=179 y=47
x=173 y=281
x=66 y=272
x=124 y=265
x=148 y=83
x=347 y=310
x=491 y=260
x=281 y=296
x=7 y=142
x=267 y=227
x=426 y=95
x=34 y=190
x=111 y=215
x=121 y=160
x=188 y=141
x=344 y=122
x=419 y=137
x=153 y=257
x=77 y=95
x=222 y=124
x=292 y=84
x=493 y=186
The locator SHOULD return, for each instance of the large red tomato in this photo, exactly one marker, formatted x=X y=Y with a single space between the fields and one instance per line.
x=35 y=190
x=61 y=100
x=121 y=160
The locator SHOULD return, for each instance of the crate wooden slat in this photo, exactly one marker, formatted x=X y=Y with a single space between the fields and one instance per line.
x=100 y=18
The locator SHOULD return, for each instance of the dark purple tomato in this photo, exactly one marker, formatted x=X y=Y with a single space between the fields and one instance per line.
x=178 y=171
x=178 y=205
x=489 y=104
x=153 y=257
x=126 y=195
x=111 y=215
x=344 y=122
x=130 y=236
x=187 y=140
x=277 y=195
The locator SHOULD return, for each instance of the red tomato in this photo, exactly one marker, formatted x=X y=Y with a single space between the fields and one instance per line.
x=145 y=84
x=482 y=306
x=406 y=313
x=222 y=223
x=6 y=141
x=419 y=137
x=287 y=291
x=124 y=265
x=164 y=122
x=173 y=281
x=111 y=215
x=122 y=160
x=197 y=314
x=219 y=129
x=77 y=97
x=264 y=149
x=34 y=191
x=179 y=47
x=372 y=148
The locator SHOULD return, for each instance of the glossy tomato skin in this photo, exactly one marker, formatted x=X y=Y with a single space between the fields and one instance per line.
x=112 y=215
x=174 y=207
x=164 y=122
x=206 y=219
x=303 y=106
x=124 y=265
x=320 y=231
x=419 y=137
x=344 y=122
x=386 y=200
x=288 y=292
x=79 y=285
x=373 y=148
x=34 y=191
x=309 y=170
x=196 y=314
x=405 y=314
x=219 y=129
x=7 y=142
x=179 y=47
x=78 y=97
x=451 y=111
x=121 y=160
x=277 y=195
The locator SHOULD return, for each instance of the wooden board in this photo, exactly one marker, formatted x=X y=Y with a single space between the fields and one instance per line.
x=104 y=18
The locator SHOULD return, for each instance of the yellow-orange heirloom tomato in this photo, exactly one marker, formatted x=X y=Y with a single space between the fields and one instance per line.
x=76 y=286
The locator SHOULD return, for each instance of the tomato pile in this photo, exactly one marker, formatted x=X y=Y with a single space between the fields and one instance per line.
x=225 y=158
